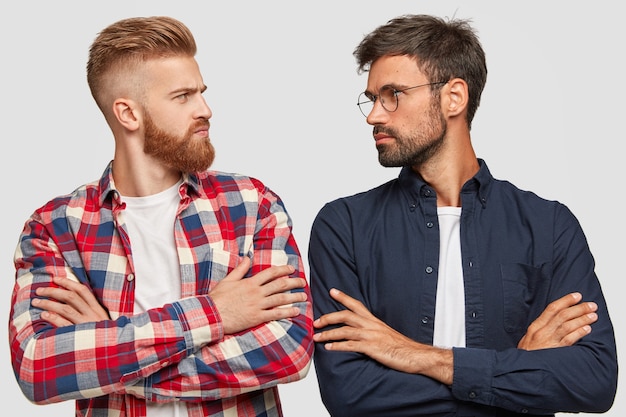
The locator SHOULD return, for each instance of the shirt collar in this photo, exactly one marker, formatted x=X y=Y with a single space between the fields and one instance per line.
x=108 y=191
x=416 y=187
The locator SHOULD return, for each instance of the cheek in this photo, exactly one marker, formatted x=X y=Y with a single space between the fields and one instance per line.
x=410 y=122
x=172 y=125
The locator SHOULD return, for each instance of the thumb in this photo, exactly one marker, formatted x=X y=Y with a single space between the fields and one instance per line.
x=239 y=271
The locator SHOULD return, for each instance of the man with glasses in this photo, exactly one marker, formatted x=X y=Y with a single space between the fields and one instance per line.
x=446 y=291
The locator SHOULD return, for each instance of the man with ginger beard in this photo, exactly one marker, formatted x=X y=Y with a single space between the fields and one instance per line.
x=163 y=288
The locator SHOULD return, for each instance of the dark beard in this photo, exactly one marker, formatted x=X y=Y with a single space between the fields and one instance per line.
x=413 y=150
x=183 y=153
x=413 y=156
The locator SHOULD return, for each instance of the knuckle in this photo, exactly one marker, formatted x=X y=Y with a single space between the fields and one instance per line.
x=70 y=297
x=66 y=310
x=283 y=284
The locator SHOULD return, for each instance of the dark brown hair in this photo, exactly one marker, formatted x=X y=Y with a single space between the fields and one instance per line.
x=443 y=50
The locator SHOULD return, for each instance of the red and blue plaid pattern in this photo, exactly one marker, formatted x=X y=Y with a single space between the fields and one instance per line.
x=179 y=351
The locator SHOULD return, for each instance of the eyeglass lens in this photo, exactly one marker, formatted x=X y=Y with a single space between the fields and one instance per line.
x=387 y=96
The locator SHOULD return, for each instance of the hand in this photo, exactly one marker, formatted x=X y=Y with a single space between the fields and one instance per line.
x=71 y=303
x=264 y=297
x=364 y=333
x=562 y=323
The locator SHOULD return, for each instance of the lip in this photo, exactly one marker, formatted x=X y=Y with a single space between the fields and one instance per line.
x=203 y=131
x=381 y=137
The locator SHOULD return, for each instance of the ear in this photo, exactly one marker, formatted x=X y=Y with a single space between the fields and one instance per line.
x=127 y=113
x=456 y=97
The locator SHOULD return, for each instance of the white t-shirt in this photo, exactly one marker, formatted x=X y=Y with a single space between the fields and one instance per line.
x=150 y=223
x=450 y=304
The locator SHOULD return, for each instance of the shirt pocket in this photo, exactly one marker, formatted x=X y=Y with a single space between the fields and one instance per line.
x=216 y=263
x=524 y=288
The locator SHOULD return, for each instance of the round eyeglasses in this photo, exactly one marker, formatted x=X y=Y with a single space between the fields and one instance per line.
x=388 y=96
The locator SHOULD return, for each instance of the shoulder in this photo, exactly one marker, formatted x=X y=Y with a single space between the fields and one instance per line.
x=227 y=180
x=86 y=197
x=232 y=188
x=529 y=205
x=364 y=205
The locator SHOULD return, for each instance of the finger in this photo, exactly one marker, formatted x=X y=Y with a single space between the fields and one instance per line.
x=351 y=303
x=239 y=271
x=280 y=313
x=283 y=285
x=56 y=308
x=555 y=307
x=70 y=304
x=76 y=287
x=283 y=299
x=273 y=273
x=55 y=319
x=68 y=284
x=576 y=335
x=346 y=346
x=86 y=300
x=578 y=322
x=61 y=295
x=565 y=302
x=339 y=333
x=578 y=313
x=345 y=317
x=285 y=295
x=572 y=318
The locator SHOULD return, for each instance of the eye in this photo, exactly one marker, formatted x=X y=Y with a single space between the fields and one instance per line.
x=371 y=97
x=182 y=97
x=388 y=94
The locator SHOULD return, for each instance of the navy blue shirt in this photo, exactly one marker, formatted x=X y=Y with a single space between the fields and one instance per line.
x=520 y=252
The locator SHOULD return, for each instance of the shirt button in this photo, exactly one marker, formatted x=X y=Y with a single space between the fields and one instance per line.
x=424 y=320
x=429 y=269
x=130 y=277
x=472 y=394
x=429 y=224
x=427 y=193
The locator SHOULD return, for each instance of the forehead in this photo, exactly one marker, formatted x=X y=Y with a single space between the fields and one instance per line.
x=394 y=70
x=172 y=74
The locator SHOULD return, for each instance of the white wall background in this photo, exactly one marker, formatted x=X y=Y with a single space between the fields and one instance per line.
x=282 y=85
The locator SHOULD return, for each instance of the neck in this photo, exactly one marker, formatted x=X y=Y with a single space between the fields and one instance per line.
x=448 y=171
x=141 y=175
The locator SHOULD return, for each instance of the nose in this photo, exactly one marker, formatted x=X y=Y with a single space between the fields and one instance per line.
x=378 y=114
x=204 y=111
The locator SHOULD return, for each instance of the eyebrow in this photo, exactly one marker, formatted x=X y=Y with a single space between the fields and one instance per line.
x=182 y=90
x=394 y=86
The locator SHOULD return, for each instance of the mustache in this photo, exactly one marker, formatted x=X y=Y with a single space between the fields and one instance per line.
x=385 y=130
x=200 y=124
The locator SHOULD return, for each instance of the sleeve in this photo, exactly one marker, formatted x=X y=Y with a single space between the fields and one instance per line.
x=92 y=359
x=578 y=378
x=265 y=356
x=352 y=384
x=177 y=351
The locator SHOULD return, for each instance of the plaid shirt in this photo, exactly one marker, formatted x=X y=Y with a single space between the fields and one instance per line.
x=178 y=351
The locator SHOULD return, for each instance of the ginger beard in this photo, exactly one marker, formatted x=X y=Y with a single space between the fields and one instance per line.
x=419 y=145
x=184 y=153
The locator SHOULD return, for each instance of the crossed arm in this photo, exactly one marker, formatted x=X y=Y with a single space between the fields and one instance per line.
x=242 y=303
x=562 y=323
